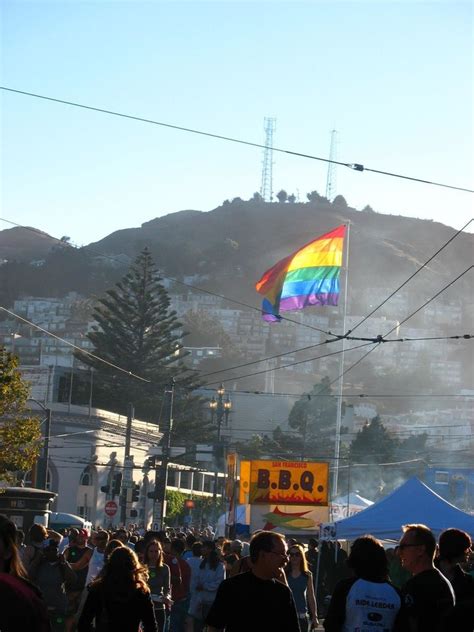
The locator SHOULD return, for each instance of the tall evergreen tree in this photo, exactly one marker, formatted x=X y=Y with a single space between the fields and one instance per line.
x=372 y=445
x=137 y=331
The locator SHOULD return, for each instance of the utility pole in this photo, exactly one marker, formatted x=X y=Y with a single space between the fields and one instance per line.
x=40 y=471
x=42 y=477
x=161 y=472
x=128 y=471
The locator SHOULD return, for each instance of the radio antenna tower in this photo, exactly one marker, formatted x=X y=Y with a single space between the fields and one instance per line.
x=266 y=189
x=331 y=180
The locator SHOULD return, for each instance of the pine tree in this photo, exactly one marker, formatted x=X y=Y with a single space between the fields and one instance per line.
x=373 y=444
x=137 y=331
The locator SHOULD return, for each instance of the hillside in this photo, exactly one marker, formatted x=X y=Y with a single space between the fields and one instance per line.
x=25 y=244
x=231 y=246
x=235 y=243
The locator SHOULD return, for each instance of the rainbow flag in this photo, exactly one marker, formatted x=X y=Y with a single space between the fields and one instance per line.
x=309 y=276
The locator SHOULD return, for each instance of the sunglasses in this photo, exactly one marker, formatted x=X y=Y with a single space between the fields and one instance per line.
x=295 y=554
x=400 y=547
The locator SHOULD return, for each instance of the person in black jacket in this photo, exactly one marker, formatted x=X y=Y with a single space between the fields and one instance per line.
x=454 y=549
x=120 y=598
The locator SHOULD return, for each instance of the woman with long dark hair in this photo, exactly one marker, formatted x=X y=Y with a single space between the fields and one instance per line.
x=158 y=581
x=300 y=582
x=120 y=599
x=367 y=597
x=21 y=605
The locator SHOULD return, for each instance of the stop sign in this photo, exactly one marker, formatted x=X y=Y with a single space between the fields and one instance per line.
x=111 y=508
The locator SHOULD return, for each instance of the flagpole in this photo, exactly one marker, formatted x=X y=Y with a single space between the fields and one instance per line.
x=337 y=446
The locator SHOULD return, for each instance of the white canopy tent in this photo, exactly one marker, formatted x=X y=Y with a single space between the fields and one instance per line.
x=412 y=502
x=354 y=499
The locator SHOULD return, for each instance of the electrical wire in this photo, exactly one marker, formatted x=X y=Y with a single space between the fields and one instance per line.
x=163 y=276
x=431 y=299
x=353 y=166
x=70 y=344
x=411 y=276
x=377 y=339
x=426 y=303
x=348 y=395
x=274 y=357
x=337 y=337
x=327 y=355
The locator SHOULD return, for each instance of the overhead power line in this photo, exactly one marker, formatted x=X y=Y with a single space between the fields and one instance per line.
x=337 y=337
x=285 y=366
x=73 y=346
x=378 y=339
x=411 y=277
x=354 y=166
x=349 y=395
x=164 y=276
x=466 y=336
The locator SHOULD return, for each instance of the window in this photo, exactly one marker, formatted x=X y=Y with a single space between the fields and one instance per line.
x=86 y=477
x=441 y=478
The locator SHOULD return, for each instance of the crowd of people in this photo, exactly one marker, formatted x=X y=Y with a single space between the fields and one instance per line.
x=188 y=580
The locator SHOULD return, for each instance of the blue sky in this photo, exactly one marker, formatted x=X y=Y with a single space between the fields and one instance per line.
x=395 y=80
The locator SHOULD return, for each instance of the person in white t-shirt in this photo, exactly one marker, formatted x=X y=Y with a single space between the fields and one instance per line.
x=367 y=601
x=96 y=562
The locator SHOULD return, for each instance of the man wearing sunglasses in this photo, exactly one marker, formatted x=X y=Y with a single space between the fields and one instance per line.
x=428 y=595
x=257 y=600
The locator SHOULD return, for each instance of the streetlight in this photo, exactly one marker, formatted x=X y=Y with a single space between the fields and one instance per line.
x=222 y=409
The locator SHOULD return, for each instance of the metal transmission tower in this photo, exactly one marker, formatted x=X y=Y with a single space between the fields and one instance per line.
x=266 y=189
x=331 y=180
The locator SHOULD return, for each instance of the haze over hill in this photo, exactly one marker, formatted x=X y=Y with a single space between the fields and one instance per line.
x=228 y=249
x=235 y=243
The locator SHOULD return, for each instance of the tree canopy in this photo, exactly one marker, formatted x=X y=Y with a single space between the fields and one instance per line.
x=20 y=434
x=137 y=331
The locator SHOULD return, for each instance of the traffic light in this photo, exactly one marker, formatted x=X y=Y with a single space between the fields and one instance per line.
x=150 y=463
x=135 y=493
x=105 y=489
x=218 y=451
x=133 y=513
x=117 y=484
